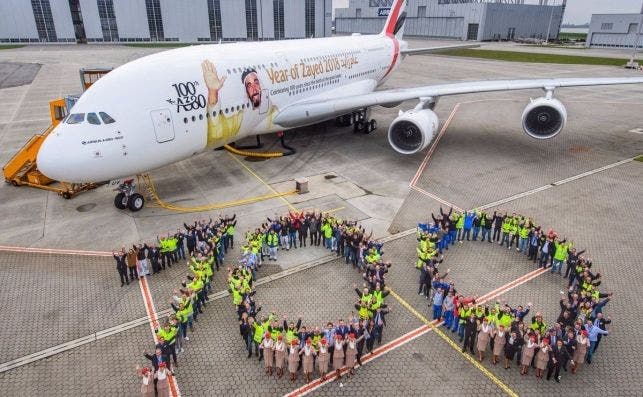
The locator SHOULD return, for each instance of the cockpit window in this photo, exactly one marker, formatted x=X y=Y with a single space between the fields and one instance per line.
x=92 y=118
x=76 y=118
x=107 y=119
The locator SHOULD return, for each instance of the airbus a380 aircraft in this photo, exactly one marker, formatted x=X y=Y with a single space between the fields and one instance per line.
x=172 y=105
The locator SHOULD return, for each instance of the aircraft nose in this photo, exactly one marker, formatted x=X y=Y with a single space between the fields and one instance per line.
x=51 y=157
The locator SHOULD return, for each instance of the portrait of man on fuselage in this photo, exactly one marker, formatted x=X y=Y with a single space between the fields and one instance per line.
x=222 y=127
x=253 y=87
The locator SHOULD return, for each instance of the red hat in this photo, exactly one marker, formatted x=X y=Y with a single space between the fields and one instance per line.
x=351 y=335
x=145 y=370
x=309 y=341
x=584 y=332
x=546 y=340
x=280 y=337
x=293 y=342
x=267 y=335
x=323 y=341
x=338 y=336
x=162 y=365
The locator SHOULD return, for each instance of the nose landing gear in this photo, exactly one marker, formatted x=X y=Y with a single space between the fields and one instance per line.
x=127 y=197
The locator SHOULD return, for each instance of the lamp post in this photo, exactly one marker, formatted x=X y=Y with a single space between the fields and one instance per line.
x=636 y=38
x=551 y=16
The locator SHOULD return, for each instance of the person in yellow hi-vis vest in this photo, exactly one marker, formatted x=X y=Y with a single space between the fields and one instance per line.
x=223 y=127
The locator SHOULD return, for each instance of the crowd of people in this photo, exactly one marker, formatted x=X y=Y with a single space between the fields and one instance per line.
x=285 y=344
x=206 y=243
x=291 y=345
x=200 y=238
x=572 y=339
x=279 y=343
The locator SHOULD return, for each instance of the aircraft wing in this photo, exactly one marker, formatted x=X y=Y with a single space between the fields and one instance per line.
x=435 y=50
x=312 y=111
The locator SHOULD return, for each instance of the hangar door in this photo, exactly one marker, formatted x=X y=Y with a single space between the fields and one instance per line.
x=472 y=31
x=163 y=127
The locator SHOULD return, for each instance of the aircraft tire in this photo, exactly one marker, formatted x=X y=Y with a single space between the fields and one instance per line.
x=359 y=126
x=120 y=201
x=372 y=126
x=135 y=202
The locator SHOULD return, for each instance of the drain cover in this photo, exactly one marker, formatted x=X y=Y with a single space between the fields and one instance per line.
x=86 y=207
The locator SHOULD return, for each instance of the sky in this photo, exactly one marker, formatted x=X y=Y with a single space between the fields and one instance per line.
x=578 y=11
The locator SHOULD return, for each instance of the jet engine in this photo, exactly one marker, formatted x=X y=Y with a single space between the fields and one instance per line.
x=413 y=130
x=544 y=118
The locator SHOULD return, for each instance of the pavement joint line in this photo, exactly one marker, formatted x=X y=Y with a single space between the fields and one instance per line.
x=427 y=158
x=262 y=181
x=54 y=251
x=436 y=198
x=408 y=337
x=149 y=307
x=555 y=184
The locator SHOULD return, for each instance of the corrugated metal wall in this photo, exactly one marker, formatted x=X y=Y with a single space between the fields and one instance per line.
x=430 y=19
x=621 y=33
x=185 y=20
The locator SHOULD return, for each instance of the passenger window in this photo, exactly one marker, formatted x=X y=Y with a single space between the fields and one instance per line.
x=107 y=119
x=92 y=118
x=76 y=118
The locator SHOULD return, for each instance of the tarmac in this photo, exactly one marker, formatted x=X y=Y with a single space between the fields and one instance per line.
x=72 y=330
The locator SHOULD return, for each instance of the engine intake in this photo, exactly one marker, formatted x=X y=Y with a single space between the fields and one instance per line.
x=544 y=118
x=412 y=131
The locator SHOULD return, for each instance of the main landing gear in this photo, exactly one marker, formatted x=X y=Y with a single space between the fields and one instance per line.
x=359 y=119
x=127 y=197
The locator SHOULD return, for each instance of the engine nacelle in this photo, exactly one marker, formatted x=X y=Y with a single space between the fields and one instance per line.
x=544 y=118
x=413 y=130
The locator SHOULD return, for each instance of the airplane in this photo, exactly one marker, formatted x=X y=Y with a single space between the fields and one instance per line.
x=172 y=105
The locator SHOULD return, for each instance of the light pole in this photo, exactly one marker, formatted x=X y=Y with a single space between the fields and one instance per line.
x=637 y=37
x=551 y=16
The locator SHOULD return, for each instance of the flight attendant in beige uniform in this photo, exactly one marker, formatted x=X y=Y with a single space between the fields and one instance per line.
x=293 y=360
x=162 y=376
x=338 y=355
x=322 y=358
x=268 y=347
x=484 y=334
x=542 y=357
x=308 y=354
x=147 y=388
x=351 y=352
x=582 y=344
x=499 y=340
x=280 y=356
x=527 y=354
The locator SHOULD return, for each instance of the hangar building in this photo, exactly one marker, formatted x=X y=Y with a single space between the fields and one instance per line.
x=189 y=21
x=458 y=19
x=615 y=30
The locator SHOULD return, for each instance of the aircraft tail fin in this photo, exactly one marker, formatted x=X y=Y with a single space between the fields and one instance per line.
x=395 y=22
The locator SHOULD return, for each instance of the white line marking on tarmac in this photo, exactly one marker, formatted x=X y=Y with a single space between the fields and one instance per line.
x=554 y=184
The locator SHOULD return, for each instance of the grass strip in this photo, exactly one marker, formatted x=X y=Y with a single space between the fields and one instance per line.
x=530 y=57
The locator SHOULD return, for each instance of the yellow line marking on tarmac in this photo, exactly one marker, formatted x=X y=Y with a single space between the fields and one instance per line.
x=455 y=346
x=292 y=207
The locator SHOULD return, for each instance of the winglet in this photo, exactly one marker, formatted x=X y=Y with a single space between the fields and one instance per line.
x=395 y=22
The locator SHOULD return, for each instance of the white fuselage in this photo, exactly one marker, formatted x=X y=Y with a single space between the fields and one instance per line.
x=165 y=112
